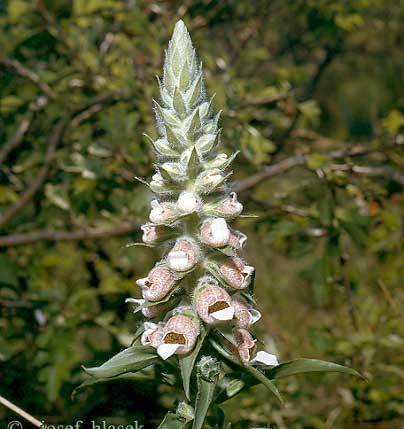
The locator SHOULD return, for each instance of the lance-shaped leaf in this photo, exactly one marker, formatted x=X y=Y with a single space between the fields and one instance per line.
x=143 y=375
x=132 y=359
x=300 y=366
x=262 y=378
x=187 y=363
x=203 y=400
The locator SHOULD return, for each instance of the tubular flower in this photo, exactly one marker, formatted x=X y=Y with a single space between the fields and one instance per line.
x=157 y=284
x=236 y=274
x=214 y=305
x=214 y=232
x=163 y=213
x=188 y=202
x=245 y=314
x=230 y=207
x=245 y=344
x=179 y=336
x=183 y=256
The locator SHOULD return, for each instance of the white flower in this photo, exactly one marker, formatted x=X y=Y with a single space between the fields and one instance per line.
x=215 y=232
x=188 y=202
x=183 y=256
x=162 y=212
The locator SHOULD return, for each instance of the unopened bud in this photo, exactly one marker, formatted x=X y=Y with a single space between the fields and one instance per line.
x=157 y=284
x=213 y=304
x=179 y=336
x=218 y=162
x=209 y=368
x=230 y=207
x=158 y=184
x=209 y=180
x=183 y=256
x=215 y=233
x=236 y=273
x=188 y=202
x=163 y=213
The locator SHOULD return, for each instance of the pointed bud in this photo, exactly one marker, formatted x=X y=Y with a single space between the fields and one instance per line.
x=183 y=256
x=157 y=284
x=209 y=180
x=163 y=213
x=236 y=273
x=179 y=336
x=189 y=202
x=218 y=162
x=213 y=303
x=158 y=185
x=244 y=313
x=214 y=232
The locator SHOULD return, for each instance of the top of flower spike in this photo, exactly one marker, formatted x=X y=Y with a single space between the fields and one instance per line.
x=181 y=71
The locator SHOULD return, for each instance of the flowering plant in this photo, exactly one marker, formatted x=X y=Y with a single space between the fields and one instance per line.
x=198 y=299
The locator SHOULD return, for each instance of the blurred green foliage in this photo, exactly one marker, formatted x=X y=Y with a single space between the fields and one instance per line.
x=297 y=80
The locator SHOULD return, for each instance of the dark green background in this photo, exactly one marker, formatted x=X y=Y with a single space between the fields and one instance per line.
x=293 y=78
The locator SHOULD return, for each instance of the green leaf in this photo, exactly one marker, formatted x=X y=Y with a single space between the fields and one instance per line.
x=262 y=378
x=187 y=363
x=203 y=400
x=299 y=366
x=173 y=421
x=130 y=376
x=132 y=359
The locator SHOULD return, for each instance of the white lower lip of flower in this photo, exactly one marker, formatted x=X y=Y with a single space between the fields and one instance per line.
x=225 y=314
x=134 y=301
x=188 y=202
x=265 y=359
x=220 y=232
x=178 y=261
x=167 y=350
x=142 y=282
x=255 y=315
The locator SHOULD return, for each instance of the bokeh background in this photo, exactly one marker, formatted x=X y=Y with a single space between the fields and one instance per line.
x=312 y=94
